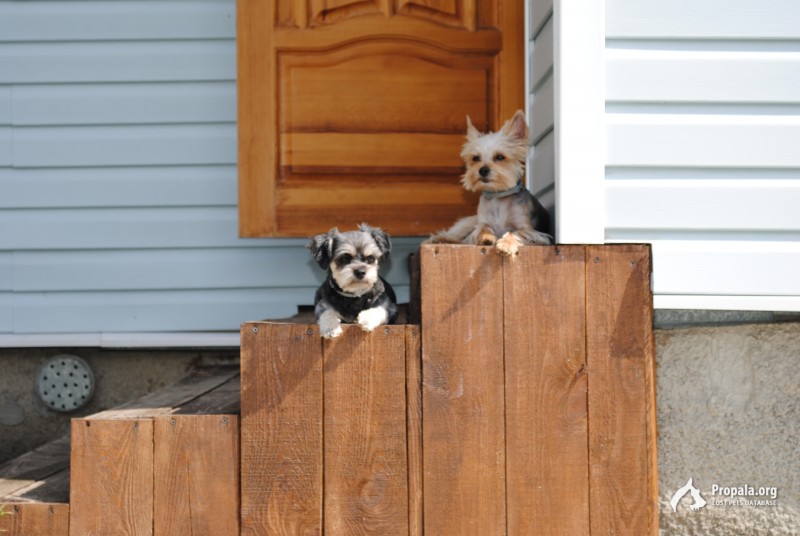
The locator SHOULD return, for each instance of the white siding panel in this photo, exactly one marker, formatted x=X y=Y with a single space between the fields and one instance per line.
x=727 y=303
x=209 y=310
x=6 y=271
x=118 y=187
x=106 y=104
x=5 y=105
x=117 y=62
x=542 y=56
x=542 y=110
x=199 y=227
x=6 y=312
x=125 y=145
x=711 y=205
x=698 y=76
x=707 y=19
x=6 y=146
x=166 y=269
x=540 y=11
x=110 y=20
x=543 y=164
x=718 y=268
x=703 y=141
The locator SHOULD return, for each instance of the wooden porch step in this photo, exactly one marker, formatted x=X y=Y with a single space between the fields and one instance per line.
x=34 y=491
x=166 y=463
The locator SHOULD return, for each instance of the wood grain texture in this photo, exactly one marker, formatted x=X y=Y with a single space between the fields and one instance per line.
x=463 y=391
x=414 y=426
x=111 y=488
x=35 y=520
x=256 y=121
x=34 y=466
x=619 y=354
x=399 y=79
x=195 y=385
x=281 y=429
x=196 y=475
x=365 y=461
x=546 y=414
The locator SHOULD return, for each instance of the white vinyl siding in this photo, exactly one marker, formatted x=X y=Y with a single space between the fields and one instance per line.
x=118 y=183
x=703 y=147
x=541 y=174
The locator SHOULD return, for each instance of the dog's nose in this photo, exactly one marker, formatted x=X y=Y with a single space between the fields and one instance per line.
x=484 y=171
x=359 y=273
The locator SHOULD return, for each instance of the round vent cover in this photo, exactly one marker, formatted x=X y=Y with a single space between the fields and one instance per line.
x=65 y=383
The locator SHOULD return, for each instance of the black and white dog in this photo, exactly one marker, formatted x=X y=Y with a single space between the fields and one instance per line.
x=353 y=291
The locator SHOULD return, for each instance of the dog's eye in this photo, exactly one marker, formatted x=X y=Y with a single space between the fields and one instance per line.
x=476 y=158
x=499 y=158
x=370 y=260
x=345 y=259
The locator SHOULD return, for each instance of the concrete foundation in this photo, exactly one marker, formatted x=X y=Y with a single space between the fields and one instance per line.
x=729 y=415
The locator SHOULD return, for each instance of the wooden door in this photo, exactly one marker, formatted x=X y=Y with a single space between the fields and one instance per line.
x=354 y=110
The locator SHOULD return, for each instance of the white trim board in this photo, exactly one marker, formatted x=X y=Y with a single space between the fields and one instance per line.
x=226 y=339
x=579 y=129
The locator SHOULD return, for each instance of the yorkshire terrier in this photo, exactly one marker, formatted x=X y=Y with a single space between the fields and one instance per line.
x=509 y=215
x=353 y=291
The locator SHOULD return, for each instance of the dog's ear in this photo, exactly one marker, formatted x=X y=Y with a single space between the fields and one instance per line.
x=322 y=247
x=472 y=132
x=382 y=239
x=516 y=127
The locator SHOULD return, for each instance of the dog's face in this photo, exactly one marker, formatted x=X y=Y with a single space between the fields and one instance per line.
x=351 y=258
x=495 y=161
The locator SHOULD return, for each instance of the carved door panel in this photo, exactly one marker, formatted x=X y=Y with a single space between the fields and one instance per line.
x=354 y=110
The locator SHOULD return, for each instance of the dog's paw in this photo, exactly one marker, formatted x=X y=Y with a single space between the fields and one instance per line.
x=331 y=332
x=370 y=319
x=330 y=326
x=508 y=245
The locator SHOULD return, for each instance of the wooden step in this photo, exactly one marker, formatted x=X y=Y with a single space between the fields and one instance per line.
x=34 y=489
x=166 y=463
x=524 y=404
x=330 y=430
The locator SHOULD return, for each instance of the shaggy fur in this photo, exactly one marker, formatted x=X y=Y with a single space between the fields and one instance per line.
x=508 y=214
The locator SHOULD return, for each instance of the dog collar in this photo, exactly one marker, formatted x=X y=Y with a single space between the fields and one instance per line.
x=341 y=292
x=504 y=193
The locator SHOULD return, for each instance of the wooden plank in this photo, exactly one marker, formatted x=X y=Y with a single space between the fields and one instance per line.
x=35 y=520
x=622 y=477
x=53 y=489
x=196 y=475
x=546 y=415
x=463 y=399
x=365 y=461
x=414 y=426
x=201 y=381
x=223 y=400
x=33 y=466
x=281 y=429
x=111 y=488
